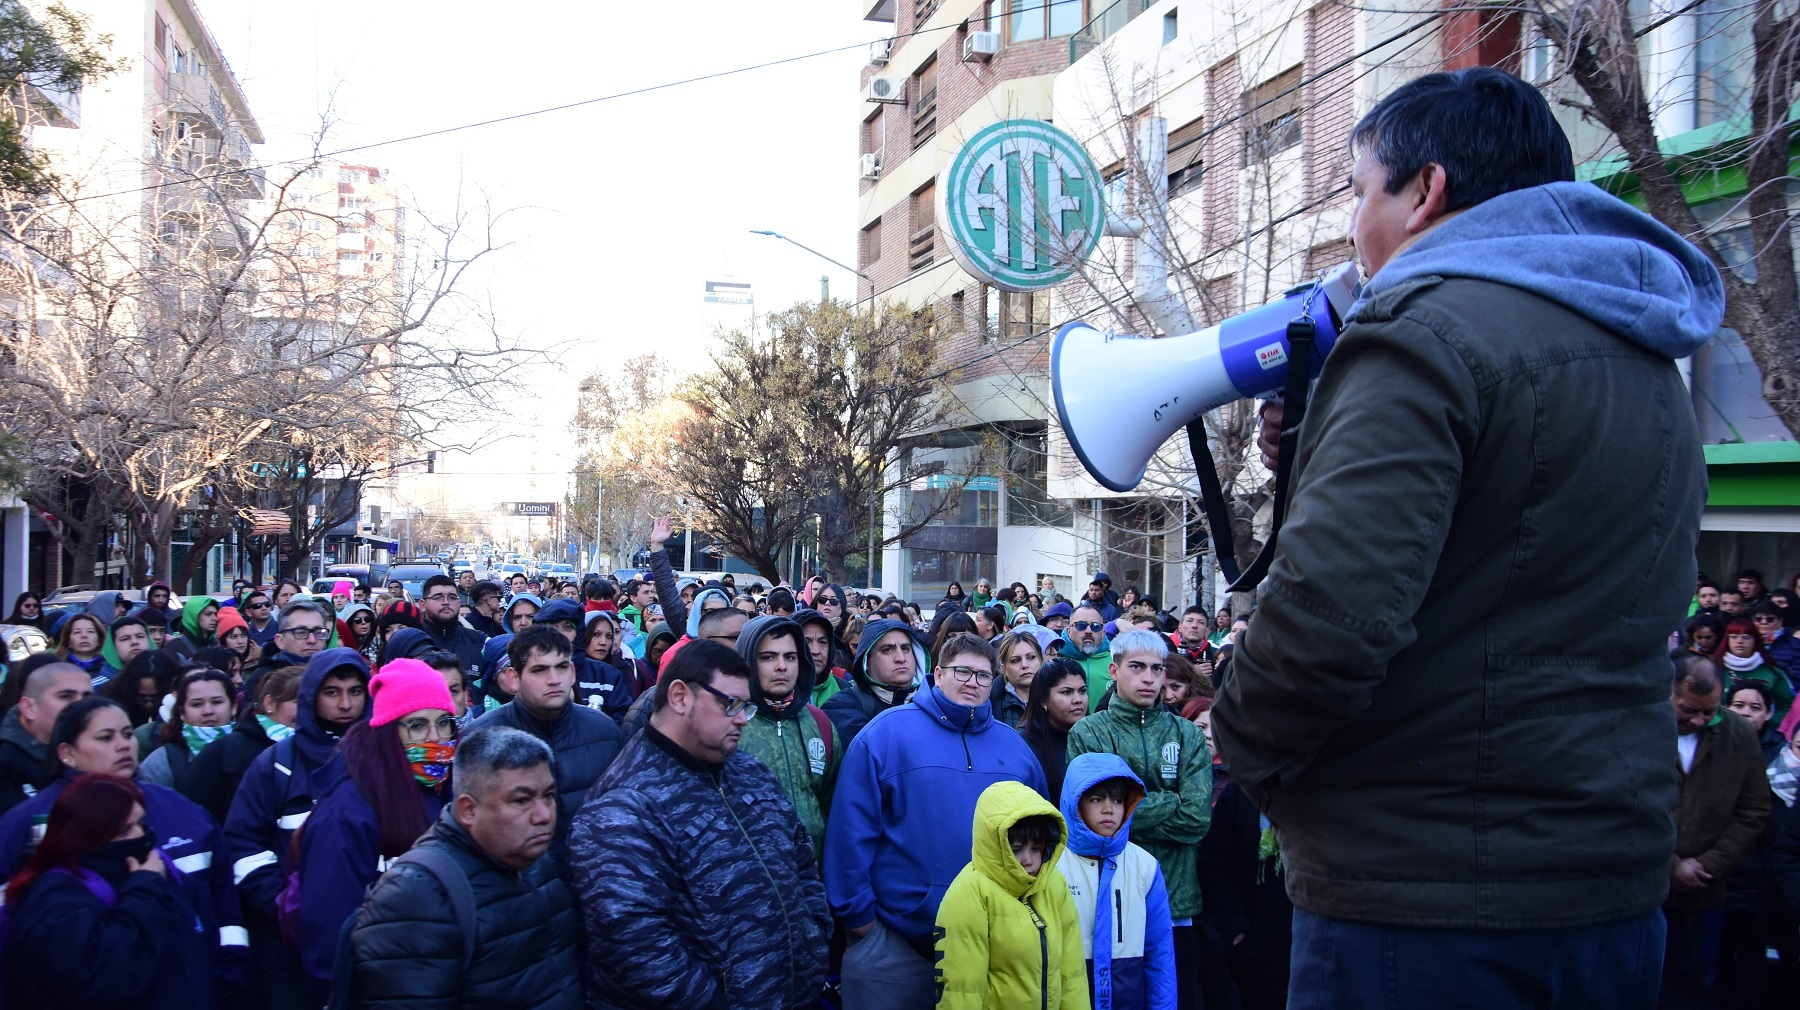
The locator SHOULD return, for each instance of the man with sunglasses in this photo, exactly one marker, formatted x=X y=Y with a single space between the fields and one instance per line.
x=696 y=880
x=902 y=821
x=541 y=679
x=1085 y=642
x=259 y=613
x=1778 y=640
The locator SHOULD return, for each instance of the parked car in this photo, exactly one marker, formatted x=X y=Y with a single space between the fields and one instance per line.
x=371 y=577
x=412 y=575
x=20 y=641
x=624 y=575
x=75 y=601
x=562 y=573
x=510 y=569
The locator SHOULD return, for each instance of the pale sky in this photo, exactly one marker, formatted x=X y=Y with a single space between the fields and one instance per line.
x=627 y=206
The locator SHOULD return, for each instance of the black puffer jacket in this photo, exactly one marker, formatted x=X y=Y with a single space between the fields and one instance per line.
x=584 y=740
x=697 y=885
x=408 y=947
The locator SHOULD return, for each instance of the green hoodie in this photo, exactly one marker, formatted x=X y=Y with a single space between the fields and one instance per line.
x=1169 y=754
x=789 y=740
x=190 y=617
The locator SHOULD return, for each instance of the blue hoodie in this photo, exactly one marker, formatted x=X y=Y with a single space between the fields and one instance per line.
x=506 y=615
x=693 y=614
x=1119 y=892
x=1574 y=244
x=903 y=815
x=278 y=792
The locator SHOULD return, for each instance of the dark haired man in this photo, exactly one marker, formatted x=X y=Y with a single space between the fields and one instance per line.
x=440 y=607
x=484 y=613
x=541 y=679
x=684 y=815
x=1750 y=584
x=259 y=613
x=788 y=733
x=1508 y=370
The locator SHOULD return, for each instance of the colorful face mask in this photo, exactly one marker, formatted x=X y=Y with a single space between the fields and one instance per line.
x=430 y=761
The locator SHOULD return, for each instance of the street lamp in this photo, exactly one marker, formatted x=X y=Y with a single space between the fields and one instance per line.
x=823 y=290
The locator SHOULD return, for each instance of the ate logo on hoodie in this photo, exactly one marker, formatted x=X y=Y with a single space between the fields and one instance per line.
x=1171 y=756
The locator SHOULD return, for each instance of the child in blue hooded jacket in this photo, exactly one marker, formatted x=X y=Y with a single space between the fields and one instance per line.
x=1118 y=889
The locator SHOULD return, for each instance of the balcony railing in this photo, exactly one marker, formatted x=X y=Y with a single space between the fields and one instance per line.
x=1100 y=27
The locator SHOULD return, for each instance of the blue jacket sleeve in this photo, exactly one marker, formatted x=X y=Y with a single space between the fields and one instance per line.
x=65 y=927
x=251 y=838
x=621 y=866
x=851 y=837
x=1159 y=947
x=339 y=853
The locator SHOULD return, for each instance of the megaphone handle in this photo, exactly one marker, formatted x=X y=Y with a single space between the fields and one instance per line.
x=1300 y=335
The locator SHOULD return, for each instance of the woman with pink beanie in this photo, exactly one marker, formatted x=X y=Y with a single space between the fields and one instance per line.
x=399 y=778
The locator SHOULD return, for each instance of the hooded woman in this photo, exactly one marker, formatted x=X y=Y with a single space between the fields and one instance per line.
x=202 y=713
x=80 y=640
x=28 y=610
x=602 y=646
x=359 y=620
x=398 y=765
x=97 y=884
x=657 y=642
x=520 y=611
x=92 y=735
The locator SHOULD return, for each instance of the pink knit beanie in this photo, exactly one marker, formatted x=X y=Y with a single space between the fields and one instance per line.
x=343 y=587
x=405 y=686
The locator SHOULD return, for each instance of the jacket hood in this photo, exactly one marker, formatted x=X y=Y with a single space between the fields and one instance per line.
x=406 y=643
x=109 y=654
x=872 y=633
x=694 y=609
x=493 y=656
x=1001 y=806
x=506 y=615
x=658 y=630
x=1576 y=245
x=104 y=605
x=807 y=615
x=314 y=741
x=759 y=628
x=562 y=610
x=190 y=614
x=353 y=609
x=1083 y=774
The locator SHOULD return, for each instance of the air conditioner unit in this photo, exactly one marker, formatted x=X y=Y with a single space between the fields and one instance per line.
x=871 y=166
x=887 y=89
x=879 y=51
x=981 y=46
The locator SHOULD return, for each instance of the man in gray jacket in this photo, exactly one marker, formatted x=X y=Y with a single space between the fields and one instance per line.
x=1453 y=701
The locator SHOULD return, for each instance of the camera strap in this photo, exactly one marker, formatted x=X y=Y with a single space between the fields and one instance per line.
x=1300 y=335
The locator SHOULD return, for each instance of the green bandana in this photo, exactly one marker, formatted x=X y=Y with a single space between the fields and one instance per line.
x=276 y=732
x=198 y=737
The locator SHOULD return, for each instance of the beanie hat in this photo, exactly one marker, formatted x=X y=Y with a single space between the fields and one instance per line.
x=344 y=586
x=405 y=686
x=230 y=618
x=1059 y=610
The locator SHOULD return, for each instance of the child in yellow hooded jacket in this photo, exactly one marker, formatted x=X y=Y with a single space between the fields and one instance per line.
x=1008 y=937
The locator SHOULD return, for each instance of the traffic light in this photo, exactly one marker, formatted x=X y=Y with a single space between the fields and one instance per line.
x=431 y=461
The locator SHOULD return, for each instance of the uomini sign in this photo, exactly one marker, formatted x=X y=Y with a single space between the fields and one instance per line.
x=1020 y=202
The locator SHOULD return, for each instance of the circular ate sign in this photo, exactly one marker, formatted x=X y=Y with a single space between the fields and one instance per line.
x=1020 y=202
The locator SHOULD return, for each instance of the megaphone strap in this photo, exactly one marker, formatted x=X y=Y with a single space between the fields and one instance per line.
x=1212 y=495
x=1300 y=334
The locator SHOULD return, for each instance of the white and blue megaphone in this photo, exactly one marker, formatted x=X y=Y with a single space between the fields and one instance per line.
x=1121 y=397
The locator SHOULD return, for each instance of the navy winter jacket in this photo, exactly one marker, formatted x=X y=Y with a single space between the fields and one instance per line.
x=191 y=845
x=599 y=686
x=584 y=741
x=697 y=885
x=67 y=948
x=276 y=795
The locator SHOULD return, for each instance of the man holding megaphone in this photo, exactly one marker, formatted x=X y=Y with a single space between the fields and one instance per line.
x=1452 y=701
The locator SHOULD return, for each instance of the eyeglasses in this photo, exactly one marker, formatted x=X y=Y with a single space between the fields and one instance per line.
x=728 y=639
x=968 y=673
x=1087 y=625
x=421 y=728
x=306 y=632
x=442 y=598
x=734 y=707
x=1765 y=619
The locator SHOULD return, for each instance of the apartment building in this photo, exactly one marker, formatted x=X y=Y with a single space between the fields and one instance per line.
x=952 y=68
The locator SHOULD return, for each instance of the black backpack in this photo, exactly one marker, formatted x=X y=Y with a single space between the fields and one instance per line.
x=462 y=903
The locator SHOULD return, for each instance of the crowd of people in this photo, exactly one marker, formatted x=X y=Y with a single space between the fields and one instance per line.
x=808 y=794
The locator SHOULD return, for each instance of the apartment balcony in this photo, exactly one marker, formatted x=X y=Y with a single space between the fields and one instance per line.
x=878 y=10
x=196 y=96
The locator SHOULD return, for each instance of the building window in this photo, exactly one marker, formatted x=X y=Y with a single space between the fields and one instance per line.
x=924 y=228
x=1186 y=145
x=1171 y=27
x=871 y=243
x=1028 y=501
x=1722 y=61
x=162 y=35
x=871 y=133
x=933 y=571
x=178 y=61
x=1272 y=115
x=923 y=10
x=925 y=107
x=1022 y=314
x=1040 y=19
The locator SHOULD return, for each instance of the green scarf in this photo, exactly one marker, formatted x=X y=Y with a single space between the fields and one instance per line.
x=198 y=737
x=276 y=732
